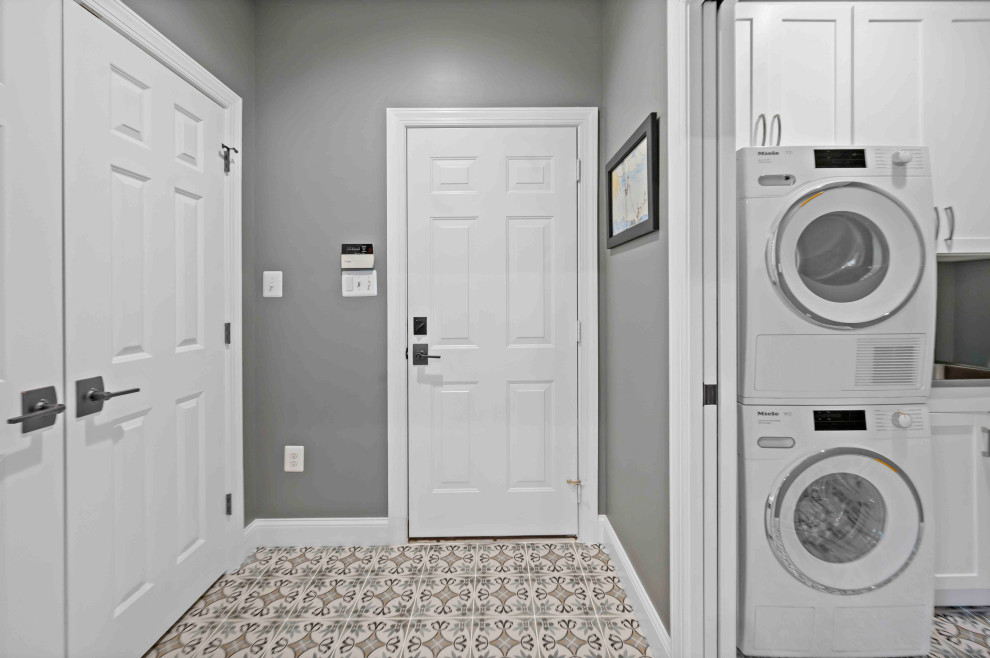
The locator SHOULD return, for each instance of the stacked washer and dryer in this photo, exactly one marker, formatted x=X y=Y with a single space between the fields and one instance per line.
x=837 y=304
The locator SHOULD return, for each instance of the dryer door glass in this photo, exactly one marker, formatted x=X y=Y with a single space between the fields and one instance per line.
x=847 y=255
x=842 y=257
x=845 y=521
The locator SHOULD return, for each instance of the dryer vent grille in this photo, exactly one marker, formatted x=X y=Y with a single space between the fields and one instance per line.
x=893 y=362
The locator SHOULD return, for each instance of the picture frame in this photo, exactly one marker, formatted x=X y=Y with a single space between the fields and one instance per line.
x=632 y=186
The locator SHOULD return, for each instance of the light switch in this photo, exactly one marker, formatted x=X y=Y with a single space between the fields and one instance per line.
x=359 y=283
x=272 y=282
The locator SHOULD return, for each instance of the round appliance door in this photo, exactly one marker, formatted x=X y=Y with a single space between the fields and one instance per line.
x=847 y=255
x=845 y=521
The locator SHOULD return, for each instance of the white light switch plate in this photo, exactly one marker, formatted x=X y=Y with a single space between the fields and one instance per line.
x=272 y=283
x=359 y=283
x=294 y=459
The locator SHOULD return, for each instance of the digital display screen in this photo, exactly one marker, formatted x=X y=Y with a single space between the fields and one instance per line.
x=840 y=159
x=840 y=420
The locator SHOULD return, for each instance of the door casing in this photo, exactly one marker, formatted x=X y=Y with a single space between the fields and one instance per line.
x=585 y=121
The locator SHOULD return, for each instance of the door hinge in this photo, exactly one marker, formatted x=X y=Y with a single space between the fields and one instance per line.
x=579 y=170
x=230 y=504
x=711 y=394
x=226 y=333
x=579 y=332
x=225 y=154
x=407 y=352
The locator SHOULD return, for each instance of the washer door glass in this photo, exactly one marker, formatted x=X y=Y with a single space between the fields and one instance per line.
x=845 y=521
x=840 y=517
x=846 y=256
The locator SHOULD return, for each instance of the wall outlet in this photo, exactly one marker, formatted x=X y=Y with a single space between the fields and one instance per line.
x=294 y=459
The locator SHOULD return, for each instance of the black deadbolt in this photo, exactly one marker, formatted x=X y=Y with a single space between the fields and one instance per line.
x=419 y=326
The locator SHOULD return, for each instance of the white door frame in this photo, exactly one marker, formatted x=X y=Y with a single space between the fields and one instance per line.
x=125 y=21
x=399 y=121
x=703 y=551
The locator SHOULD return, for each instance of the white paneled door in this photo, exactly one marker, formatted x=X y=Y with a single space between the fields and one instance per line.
x=492 y=268
x=145 y=291
x=31 y=478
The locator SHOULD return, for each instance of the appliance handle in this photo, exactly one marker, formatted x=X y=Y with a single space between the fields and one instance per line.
x=780 y=128
x=951 y=215
x=938 y=223
x=762 y=119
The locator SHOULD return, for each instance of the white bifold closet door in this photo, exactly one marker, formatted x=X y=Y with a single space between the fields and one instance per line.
x=144 y=308
x=32 y=615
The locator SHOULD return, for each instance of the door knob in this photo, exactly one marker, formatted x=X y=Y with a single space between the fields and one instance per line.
x=421 y=354
x=90 y=396
x=38 y=409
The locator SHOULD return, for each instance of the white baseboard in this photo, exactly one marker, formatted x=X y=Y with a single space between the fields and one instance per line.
x=649 y=619
x=316 y=532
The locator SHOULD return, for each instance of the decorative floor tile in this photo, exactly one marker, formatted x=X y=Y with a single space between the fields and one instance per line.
x=445 y=596
x=452 y=559
x=391 y=597
x=240 y=639
x=258 y=562
x=221 y=599
x=564 y=637
x=438 y=638
x=328 y=597
x=348 y=561
x=624 y=638
x=497 y=559
x=307 y=638
x=594 y=559
x=608 y=597
x=561 y=595
x=508 y=637
x=503 y=595
x=186 y=638
x=553 y=558
x=298 y=562
x=372 y=638
x=479 y=599
x=270 y=597
x=961 y=632
x=400 y=561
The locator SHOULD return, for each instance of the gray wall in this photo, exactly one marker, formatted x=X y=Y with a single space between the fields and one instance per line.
x=963 y=313
x=633 y=311
x=326 y=73
x=220 y=35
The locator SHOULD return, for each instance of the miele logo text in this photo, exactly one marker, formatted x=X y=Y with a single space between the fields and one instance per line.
x=768 y=153
x=767 y=413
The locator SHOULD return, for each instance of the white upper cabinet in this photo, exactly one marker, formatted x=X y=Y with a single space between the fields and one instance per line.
x=793 y=73
x=877 y=73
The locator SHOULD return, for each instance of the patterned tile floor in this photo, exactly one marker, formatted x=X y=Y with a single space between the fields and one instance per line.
x=963 y=632
x=445 y=600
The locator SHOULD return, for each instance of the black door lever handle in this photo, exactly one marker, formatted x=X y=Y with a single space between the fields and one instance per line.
x=96 y=395
x=42 y=410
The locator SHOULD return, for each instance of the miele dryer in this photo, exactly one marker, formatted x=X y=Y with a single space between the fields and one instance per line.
x=836 y=274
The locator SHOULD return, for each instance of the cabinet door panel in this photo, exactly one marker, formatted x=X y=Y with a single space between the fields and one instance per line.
x=891 y=46
x=961 y=516
x=747 y=110
x=960 y=127
x=810 y=46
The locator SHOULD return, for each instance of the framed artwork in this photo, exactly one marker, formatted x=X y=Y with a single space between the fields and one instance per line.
x=633 y=206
